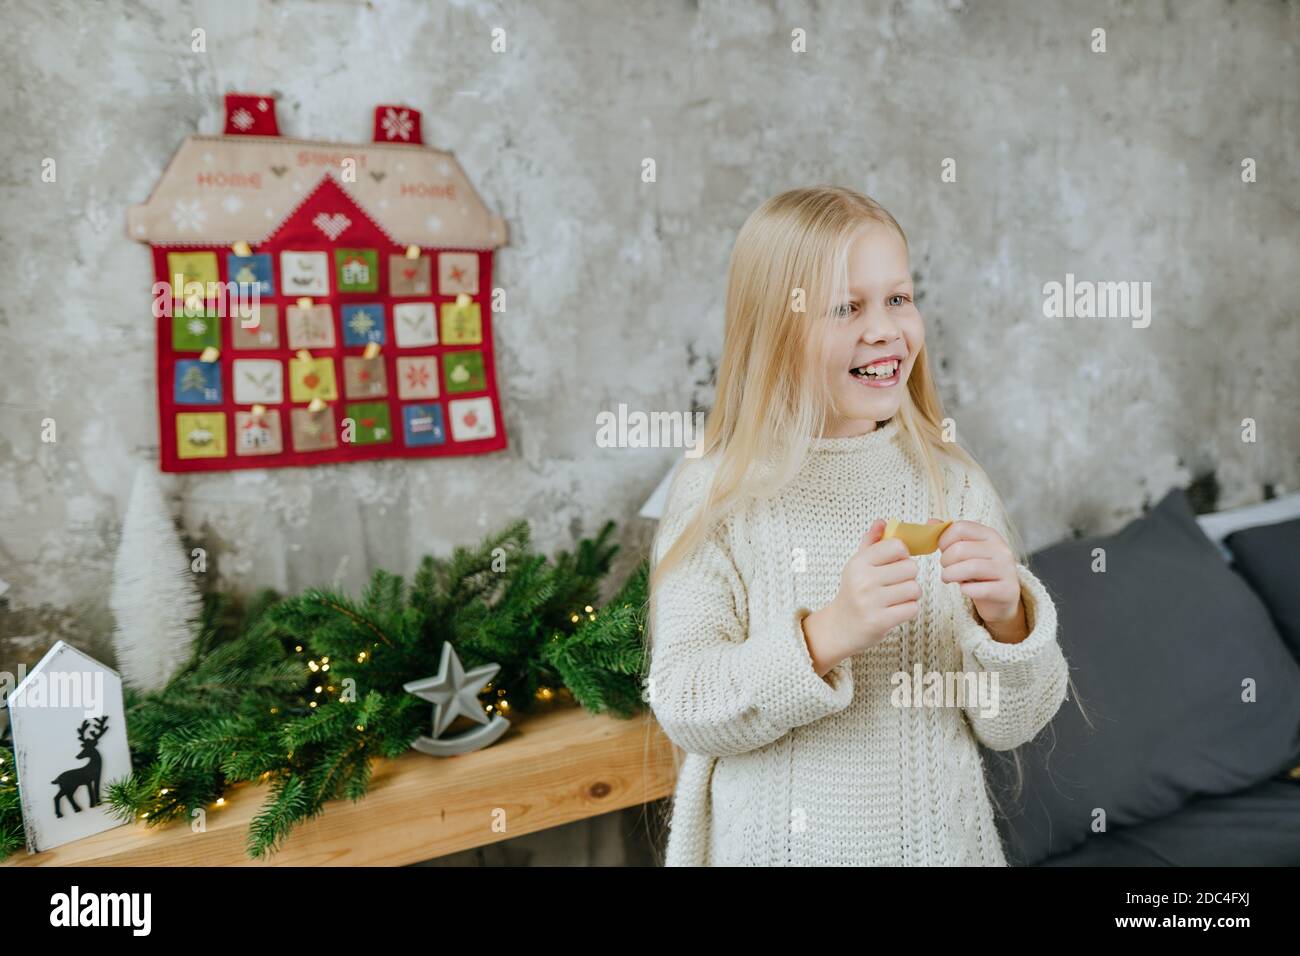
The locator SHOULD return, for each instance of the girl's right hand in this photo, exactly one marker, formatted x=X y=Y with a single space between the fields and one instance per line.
x=878 y=591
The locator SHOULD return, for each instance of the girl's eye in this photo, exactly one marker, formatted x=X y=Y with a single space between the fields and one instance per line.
x=845 y=310
x=900 y=296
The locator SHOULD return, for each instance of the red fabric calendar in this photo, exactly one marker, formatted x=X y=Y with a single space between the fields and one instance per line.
x=319 y=302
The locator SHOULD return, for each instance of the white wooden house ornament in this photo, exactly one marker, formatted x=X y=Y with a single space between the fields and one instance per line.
x=69 y=734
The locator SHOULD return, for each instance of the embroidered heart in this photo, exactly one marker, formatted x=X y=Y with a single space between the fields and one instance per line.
x=279 y=170
x=332 y=226
x=311 y=379
x=377 y=175
x=470 y=419
x=409 y=273
x=368 y=422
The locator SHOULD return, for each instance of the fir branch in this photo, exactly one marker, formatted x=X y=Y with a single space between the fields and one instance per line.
x=12 y=836
x=287 y=804
x=240 y=708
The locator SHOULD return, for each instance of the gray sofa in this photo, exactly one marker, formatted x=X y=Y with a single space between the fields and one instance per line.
x=1184 y=647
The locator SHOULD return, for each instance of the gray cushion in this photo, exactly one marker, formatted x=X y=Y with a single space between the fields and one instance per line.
x=1158 y=647
x=1259 y=826
x=1268 y=557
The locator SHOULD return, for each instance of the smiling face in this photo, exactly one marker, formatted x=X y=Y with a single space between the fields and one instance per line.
x=873 y=336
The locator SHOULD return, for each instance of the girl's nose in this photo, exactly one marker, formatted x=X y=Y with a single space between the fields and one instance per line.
x=878 y=328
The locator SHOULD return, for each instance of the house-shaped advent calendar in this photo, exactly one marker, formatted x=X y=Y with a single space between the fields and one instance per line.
x=347 y=292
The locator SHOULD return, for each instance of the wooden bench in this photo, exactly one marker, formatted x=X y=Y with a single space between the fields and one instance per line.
x=549 y=769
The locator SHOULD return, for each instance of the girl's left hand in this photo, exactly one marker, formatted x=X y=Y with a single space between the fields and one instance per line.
x=975 y=557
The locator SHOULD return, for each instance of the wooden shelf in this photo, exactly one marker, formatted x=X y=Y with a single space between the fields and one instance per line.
x=549 y=769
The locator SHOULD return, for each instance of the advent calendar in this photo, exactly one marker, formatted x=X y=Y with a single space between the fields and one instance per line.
x=319 y=302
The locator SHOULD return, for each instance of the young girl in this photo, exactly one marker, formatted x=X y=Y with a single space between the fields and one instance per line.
x=783 y=626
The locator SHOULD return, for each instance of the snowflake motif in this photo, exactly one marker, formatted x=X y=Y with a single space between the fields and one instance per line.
x=433 y=224
x=242 y=119
x=397 y=125
x=188 y=215
x=417 y=376
x=196 y=326
x=232 y=204
x=361 y=323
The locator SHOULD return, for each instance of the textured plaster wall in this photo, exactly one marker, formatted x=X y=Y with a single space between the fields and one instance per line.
x=1116 y=166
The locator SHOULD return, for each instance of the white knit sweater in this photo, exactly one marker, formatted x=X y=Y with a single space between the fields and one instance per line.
x=783 y=767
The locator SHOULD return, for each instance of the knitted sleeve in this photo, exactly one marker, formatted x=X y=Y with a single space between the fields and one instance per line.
x=1032 y=674
x=716 y=687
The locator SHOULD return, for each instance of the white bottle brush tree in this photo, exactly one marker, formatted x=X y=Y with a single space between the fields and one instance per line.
x=154 y=598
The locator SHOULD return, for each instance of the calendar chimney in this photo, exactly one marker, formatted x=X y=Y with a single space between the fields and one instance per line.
x=250 y=114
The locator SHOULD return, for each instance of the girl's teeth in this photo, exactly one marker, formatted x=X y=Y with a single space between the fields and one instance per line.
x=881 y=371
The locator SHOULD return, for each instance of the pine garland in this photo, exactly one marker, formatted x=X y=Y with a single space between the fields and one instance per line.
x=303 y=692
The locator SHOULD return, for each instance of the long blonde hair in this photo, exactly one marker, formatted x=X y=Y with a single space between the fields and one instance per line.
x=788 y=266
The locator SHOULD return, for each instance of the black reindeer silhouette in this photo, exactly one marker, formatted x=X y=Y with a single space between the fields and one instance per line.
x=88 y=776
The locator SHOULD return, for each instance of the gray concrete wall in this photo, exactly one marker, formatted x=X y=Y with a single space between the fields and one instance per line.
x=1123 y=165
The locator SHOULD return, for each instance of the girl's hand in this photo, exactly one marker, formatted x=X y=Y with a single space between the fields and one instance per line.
x=975 y=557
x=878 y=591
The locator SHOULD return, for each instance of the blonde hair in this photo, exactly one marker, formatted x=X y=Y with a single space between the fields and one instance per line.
x=772 y=395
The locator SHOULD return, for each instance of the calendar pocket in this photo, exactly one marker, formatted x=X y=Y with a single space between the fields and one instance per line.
x=258 y=381
x=197 y=383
